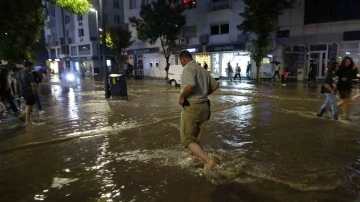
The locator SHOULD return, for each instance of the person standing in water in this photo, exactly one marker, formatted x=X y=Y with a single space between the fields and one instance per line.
x=248 y=69
x=330 y=82
x=346 y=73
x=28 y=89
x=197 y=85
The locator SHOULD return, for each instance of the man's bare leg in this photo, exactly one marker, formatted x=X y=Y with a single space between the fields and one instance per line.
x=209 y=162
x=28 y=111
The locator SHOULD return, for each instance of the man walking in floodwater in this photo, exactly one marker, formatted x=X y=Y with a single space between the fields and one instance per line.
x=196 y=84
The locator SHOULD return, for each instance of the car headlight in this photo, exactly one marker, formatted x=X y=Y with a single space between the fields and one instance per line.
x=70 y=77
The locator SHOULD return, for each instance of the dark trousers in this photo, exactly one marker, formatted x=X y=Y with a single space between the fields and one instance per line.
x=282 y=79
x=13 y=105
x=38 y=102
x=277 y=73
x=236 y=75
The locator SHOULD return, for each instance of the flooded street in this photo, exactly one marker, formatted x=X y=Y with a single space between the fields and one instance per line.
x=266 y=139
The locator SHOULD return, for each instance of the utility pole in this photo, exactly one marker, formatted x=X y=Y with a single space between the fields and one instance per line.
x=106 y=70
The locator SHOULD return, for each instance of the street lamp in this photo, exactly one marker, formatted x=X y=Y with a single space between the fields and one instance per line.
x=97 y=34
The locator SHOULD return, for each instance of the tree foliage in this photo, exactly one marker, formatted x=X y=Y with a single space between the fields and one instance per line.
x=80 y=7
x=118 y=39
x=20 y=25
x=160 y=21
x=261 y=18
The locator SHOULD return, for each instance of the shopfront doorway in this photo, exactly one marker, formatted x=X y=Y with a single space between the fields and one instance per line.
x=319 y=61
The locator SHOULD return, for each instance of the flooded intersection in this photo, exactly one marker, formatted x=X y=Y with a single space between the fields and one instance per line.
x=268 y=143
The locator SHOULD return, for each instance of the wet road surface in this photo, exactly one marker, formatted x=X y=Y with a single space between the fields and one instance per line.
x=268 y=143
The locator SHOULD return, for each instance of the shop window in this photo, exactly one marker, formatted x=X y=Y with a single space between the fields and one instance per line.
x=190 y=31
x=219 y=29
x=349 y=46
x=318 y=47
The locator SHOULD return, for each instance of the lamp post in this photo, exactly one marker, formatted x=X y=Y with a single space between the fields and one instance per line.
x=97 y=35
x=106 y=70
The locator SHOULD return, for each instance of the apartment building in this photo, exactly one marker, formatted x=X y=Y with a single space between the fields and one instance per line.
x=210 y=34
x=72 y=40
x=318 y=31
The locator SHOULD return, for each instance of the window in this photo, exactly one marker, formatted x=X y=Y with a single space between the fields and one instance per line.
x=219 y=4
x=145 y=2
x=80 y=17
x=116 y=4
x=190 y=31
x=219 y=29
x=84 y=50
x=189 y=4
x=132 y=4
x=117 y=19
x=81 y=32
x=74 y=51
x=67 y=19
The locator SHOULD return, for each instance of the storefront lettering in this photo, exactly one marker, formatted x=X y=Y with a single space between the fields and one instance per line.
x=230 y=47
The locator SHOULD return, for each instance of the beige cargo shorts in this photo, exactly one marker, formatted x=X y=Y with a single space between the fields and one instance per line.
x=193 y=120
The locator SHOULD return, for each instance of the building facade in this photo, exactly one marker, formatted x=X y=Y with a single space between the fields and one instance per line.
x=73 y=40
x=210 y=33
x=319 y=31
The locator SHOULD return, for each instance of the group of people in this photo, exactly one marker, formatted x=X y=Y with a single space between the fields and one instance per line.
x=20 y=84
x=338 y=81
x=230 y=71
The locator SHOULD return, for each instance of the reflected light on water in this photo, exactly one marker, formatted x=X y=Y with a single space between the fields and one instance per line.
x=73 y=108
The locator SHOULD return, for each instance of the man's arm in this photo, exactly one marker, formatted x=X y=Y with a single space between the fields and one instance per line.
x=214 y=85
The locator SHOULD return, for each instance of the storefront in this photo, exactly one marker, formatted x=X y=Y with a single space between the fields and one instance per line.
x=147 y=62
x=198 y=55
x=222 y=54
x=82 y=65
x=54 y=65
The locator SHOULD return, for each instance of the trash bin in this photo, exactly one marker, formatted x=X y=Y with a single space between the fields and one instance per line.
x=118 y=86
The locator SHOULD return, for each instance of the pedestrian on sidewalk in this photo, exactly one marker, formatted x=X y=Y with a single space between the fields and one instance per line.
x=248 y=69
x=347 y=72
x=206 y=66
x=238 y=72
x=330 y=83
x=230 y=71
x=197 y=85
x=28 y=89
x=276 y=70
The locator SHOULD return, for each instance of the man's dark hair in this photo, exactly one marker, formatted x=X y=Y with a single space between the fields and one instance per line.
x=28 y=64
x=185 y=54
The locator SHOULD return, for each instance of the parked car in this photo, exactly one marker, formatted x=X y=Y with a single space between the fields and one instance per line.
x=175 y=72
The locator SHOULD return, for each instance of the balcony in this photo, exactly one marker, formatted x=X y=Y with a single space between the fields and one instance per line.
x=220 y=5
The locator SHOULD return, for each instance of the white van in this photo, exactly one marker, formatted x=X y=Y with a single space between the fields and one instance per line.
x=175 y=72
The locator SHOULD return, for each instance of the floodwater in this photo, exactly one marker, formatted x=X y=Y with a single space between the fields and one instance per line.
x=266 y=139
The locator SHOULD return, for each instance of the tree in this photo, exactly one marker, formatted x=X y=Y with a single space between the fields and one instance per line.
x=261 y=18
x=160 y=21
x=118 y=39
x=21 y=23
